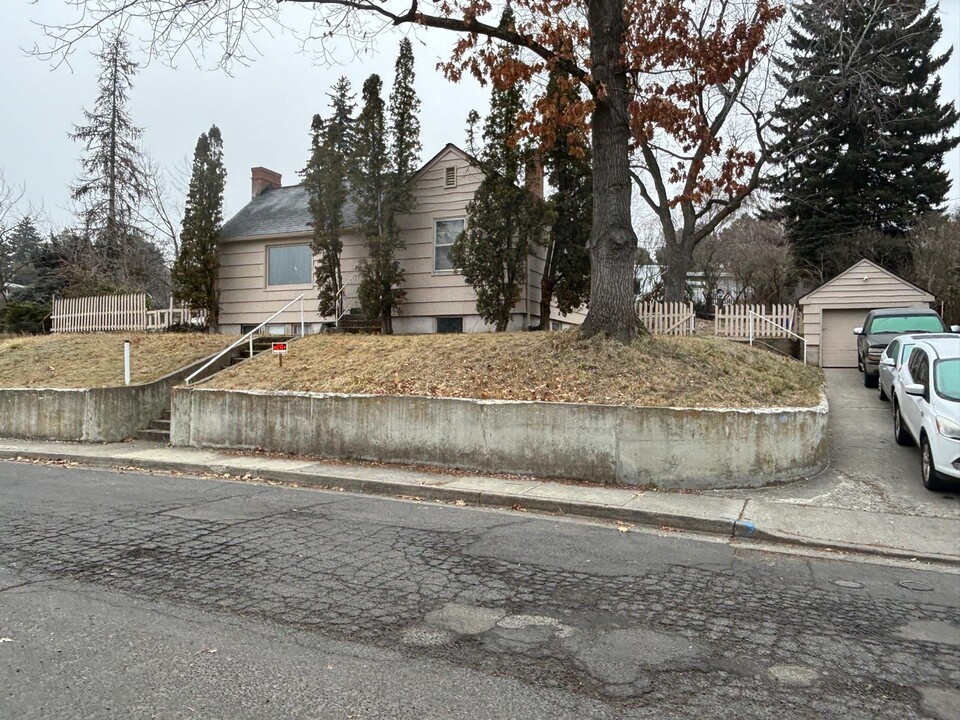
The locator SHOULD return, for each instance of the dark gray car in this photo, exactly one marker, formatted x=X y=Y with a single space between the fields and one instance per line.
x=882 y=326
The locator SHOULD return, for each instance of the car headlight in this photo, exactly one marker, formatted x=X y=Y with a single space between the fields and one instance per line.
x=948 y=428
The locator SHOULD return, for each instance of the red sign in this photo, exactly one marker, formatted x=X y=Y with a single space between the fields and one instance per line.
x=280 y=348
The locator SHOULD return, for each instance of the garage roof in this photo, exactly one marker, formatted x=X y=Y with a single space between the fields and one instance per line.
x=867 y=274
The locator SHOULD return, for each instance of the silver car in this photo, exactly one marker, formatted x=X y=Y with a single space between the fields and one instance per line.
x=895 y=356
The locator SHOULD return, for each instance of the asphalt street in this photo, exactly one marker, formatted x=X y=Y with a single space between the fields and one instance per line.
x=134 y=596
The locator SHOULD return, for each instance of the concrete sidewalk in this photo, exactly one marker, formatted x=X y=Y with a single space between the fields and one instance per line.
x=883 y=534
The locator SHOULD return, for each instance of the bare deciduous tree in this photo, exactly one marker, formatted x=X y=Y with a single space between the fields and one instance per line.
x=694 y=177
x=935 y=250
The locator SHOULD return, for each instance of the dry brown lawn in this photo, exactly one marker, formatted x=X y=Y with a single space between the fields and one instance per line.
x=556 y=367
x=96 y=359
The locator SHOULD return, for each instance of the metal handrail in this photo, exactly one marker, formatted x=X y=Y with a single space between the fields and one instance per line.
x=341 y=296
x=781 y=327
x=248 y=336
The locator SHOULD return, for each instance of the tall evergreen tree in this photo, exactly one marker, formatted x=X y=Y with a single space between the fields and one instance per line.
x=864 y=131
x=369 y=182
x=18 y=246
x=566 y=271
x=196 y=266
x=404 y=158
x=325 y=179
x=504 y=216
x=112 y=184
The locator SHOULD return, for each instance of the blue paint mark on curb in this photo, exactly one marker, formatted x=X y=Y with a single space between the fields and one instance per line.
x=746 y=527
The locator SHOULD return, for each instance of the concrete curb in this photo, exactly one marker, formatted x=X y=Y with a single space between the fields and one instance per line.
x=740 y=528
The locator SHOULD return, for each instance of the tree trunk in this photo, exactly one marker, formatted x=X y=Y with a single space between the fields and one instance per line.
x=679 y=260
x=612 y=243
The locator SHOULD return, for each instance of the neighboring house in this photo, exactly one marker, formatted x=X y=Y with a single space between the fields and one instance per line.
x=833 y=310
x=266 y=260
x=649 y=277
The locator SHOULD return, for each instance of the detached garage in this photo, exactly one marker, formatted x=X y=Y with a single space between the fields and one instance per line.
x=833 y=310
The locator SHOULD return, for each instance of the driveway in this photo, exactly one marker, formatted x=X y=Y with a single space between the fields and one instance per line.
x=867 y=469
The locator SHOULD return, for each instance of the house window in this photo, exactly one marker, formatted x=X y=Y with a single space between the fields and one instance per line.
x=445 y=232
x=289 y=265
x=449 y=325
x=450 y=177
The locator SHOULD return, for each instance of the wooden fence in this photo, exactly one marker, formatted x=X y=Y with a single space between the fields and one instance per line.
x=667 y=318
x=106 y=313
x=743 y=322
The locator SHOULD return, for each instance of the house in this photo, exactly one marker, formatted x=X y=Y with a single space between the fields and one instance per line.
x=266 y=260
x=649 y=277
x=833 y=310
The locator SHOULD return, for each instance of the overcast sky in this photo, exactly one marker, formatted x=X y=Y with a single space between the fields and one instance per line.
x=263 y=110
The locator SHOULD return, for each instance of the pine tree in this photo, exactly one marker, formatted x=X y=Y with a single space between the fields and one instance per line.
x=18 y=246
x=864 y=131
x=325 y=179
x=566 y=271
x=504 y=216
x=196 y=266
x=404 y=159
x=113 y=183
x=369 y=181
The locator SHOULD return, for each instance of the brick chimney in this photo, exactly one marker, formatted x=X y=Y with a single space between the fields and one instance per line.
x=533 y=177
x=261 y=179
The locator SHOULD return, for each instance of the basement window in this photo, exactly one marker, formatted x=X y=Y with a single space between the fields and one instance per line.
x=447 y=325
x=450 y=177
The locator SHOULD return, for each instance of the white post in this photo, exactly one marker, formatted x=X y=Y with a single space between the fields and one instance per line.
x=251 y=346
x=301 y=317
x=751 y=327
x=126 y=362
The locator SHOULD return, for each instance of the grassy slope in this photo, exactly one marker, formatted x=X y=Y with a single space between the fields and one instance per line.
x=96 y=359
x=558 y=367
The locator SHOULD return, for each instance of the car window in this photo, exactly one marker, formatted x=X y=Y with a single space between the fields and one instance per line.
x=918 y=366
x=903 y=324
x=891 y=351
x=946 y=378
x=905 y=354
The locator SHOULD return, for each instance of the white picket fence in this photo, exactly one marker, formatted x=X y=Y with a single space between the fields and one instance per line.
x=667 y=318
x=107 y=313
x=743 y=322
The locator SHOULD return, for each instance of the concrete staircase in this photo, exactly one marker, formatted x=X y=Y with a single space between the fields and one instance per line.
x=358 y=324
x=159 y=429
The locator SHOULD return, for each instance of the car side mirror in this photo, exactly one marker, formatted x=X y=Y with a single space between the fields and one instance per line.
x=858 y=331
x=955 y=328
x=915 y=389
x=887 y=361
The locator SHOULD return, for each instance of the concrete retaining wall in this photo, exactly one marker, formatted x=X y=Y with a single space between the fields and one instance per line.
x=89 y=414
x=665 y=447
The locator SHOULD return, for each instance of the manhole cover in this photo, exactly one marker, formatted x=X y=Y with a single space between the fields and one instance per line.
x=916 y=586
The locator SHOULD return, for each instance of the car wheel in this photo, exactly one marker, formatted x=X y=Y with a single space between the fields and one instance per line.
x=900 y=433
x=931 y=478
x=883 y=395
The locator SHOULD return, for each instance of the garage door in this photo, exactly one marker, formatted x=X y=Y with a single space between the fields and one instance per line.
x=838 y=344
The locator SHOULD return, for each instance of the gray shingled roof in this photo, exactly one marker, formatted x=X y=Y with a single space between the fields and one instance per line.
x=278 y=211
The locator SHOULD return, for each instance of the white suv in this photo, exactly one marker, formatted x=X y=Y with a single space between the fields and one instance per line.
x=896 y=356
x=926 y=408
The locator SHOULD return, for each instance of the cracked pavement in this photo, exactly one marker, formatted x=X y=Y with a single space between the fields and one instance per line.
x=144 y=596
